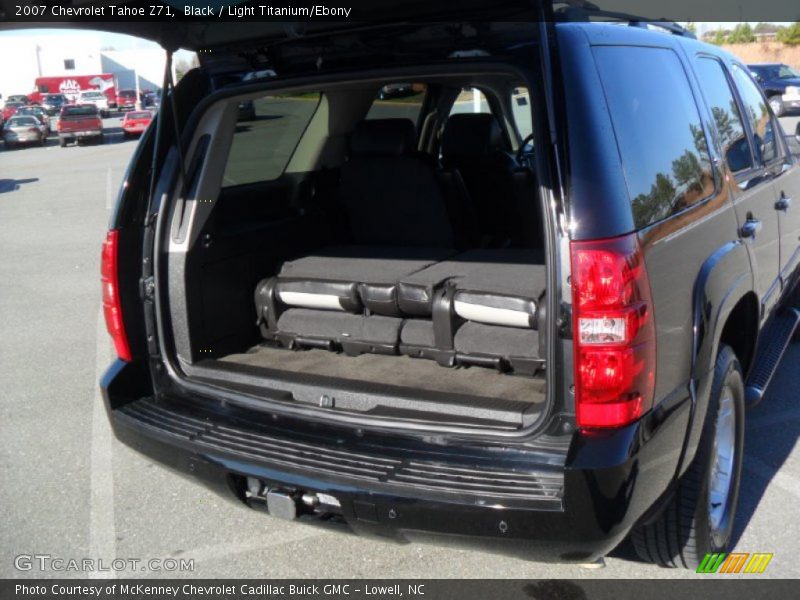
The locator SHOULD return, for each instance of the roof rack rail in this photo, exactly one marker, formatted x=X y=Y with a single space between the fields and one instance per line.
x=587 y=11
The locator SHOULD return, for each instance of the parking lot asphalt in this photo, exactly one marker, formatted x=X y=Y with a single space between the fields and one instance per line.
x=69 y=490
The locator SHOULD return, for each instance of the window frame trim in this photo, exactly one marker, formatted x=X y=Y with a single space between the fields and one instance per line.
x=758 y=166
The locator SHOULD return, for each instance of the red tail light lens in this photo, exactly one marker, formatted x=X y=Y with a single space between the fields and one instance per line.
x=112 y=306
x=613 y=332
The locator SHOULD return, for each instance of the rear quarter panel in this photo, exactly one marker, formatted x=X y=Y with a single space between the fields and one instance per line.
x=695 y=261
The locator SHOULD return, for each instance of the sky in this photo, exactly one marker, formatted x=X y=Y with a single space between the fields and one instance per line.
x=107 y=40
x=120 y=42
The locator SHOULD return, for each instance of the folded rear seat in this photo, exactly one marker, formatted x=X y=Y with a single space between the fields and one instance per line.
x=397 y=210
x=355 y=334
x=500 y=283
x=351 y=278
x=485 y=306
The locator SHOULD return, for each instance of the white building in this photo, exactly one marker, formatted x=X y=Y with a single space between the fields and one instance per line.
x=29 y=57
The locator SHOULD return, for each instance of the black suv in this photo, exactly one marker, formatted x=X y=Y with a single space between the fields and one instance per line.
x=781 y=85
x=525 y=304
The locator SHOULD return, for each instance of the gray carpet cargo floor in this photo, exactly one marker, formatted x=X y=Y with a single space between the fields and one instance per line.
x=401 y=371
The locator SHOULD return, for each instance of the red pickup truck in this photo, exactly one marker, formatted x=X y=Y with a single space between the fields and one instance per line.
x=78 y=122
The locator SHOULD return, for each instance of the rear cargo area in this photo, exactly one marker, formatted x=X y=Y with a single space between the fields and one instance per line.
x=389 y=280
x=395 y=371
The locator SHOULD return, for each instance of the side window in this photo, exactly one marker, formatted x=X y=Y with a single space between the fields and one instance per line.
x=267 y=132
x=521 y=109
x=725 y=111
x=470 y=100
x=398 y=100
x=758 y=113
x=659 y=133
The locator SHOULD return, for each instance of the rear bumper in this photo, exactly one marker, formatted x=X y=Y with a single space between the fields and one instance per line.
x=575 y=503
x=24 y=139
x=84 y=133
x=791 y=105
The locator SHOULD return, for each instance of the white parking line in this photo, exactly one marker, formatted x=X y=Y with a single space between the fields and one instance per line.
x=102 y=527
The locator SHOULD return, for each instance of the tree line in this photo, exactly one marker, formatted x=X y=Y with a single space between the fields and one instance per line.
x=744 y=33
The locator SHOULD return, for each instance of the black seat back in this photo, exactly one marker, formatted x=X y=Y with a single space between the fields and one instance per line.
x=502 y=192
x=390 y=192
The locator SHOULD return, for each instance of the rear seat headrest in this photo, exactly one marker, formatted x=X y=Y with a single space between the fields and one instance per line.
x=383 y=137
x=471 y=135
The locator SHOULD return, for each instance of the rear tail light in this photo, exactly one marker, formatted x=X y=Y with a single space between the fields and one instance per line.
x=112 y=306
x=613 y=332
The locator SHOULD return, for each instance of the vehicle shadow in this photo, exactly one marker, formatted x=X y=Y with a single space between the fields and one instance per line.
x=247 y=125
x=11 y=185
x=770 y=438
x=116 y=135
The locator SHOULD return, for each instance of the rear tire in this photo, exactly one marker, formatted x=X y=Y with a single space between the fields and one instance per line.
x=700 y=517
x=62 y=142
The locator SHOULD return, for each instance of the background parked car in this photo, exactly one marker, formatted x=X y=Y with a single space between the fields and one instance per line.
x=23 y=130
x=134 y=123
x=79 y=122
x=126 y=100
x=21 y=98
x=52 y=103
x=781 y=85
x=10 y=109
x=247 y=111
x=396 y=90
x=150 y=99
x=40 y=113
x=98 y=99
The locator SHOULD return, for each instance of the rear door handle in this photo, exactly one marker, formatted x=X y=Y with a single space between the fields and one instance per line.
x=783 y=203
x=750 y=228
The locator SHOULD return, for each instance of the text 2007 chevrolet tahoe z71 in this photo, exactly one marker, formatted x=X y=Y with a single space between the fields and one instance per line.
x=525 y=300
